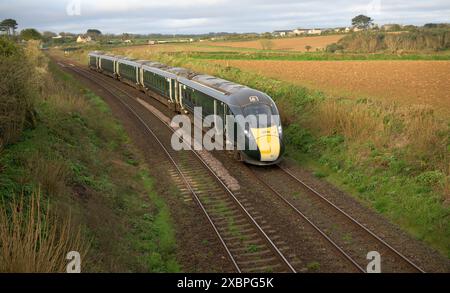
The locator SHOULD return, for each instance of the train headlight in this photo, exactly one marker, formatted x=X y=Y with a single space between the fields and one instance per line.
x=280 y=130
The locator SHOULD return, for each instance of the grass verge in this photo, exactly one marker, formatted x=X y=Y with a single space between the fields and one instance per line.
x=83 y=163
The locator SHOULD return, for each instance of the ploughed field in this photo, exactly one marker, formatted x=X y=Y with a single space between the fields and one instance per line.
x=285 y=44
x=402 y=82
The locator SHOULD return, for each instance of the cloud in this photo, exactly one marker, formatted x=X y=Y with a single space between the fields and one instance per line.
x=200 y=16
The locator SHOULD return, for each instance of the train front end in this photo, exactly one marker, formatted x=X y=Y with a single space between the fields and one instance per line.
x=261 y=129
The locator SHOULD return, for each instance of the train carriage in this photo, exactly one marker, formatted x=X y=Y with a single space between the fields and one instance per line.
x=183 y=90
x=160 y=82
x=107 y=65
x=94 y=59
x=127 y=70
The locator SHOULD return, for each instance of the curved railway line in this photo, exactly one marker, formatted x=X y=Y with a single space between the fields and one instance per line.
x=246 y=243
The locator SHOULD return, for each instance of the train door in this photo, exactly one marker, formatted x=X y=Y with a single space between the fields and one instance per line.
x=229 y=128
x=137 y=71
x=116 y=67
x=176 y=93
x=170 y=90
x=219 y=114
x=182 y=88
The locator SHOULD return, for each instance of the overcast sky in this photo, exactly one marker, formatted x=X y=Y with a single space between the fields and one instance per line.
x=203 y=16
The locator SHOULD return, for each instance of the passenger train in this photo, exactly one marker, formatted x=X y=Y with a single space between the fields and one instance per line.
x=182 y=90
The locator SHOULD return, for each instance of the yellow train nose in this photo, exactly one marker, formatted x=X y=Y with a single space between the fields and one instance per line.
x=268 y=142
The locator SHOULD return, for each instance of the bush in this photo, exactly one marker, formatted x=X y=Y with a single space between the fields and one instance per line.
x=34 y=239
x=332 y=48
x=371 y=42
x=17 y=93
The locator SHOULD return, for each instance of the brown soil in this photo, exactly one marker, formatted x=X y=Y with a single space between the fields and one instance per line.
x=287 y=44
x=402 y=82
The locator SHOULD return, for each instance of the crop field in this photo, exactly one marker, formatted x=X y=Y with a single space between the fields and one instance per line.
x=170 y=47
x=286 y=44
x=401 y=82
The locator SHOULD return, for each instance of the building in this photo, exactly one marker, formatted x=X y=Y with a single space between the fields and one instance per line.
x=306 y=31
x=314 y=31
x=342 y=30
x=83 y=39
x=300 y=31
x=283 y=33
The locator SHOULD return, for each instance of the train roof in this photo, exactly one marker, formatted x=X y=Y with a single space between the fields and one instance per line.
x=221 y=89
x=222 y=85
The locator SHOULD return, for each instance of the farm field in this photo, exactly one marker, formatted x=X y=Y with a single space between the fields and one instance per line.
x=168 y=48
x=402 y=82
x=285 y=44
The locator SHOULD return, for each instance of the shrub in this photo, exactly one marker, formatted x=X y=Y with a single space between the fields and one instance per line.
x=34 y=239
x=332 y=48
x=371 y=42
x=17 y=93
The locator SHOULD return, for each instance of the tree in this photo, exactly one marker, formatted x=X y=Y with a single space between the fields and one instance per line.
x=30 y=34
x=430 y=25
x=9 y=25
x=47 y=36
x=308 y=47
x=93 y=33
x=362 y=21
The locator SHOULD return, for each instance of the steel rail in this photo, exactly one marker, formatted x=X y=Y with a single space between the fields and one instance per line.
x=352 y=219
x=277 y=251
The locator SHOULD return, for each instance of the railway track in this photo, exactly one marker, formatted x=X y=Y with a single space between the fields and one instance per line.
x=248 y=246
x=303 y=199
x=246 y=243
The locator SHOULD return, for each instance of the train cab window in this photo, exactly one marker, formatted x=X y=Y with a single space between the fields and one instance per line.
x=262 y=111
x=259 y=109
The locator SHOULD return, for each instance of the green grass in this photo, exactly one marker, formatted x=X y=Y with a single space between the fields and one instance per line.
x=253 y=248
x=313 y=266
x=84 y=163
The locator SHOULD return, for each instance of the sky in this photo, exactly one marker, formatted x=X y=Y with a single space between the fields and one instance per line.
x=204 y=16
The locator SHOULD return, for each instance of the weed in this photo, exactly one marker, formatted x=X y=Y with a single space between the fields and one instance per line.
x=313 y=266
x=253 y=248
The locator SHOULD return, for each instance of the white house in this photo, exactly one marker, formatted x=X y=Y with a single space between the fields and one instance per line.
x=314 y=31
x=300 y=31
x=283 y=33
x=83 y=39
